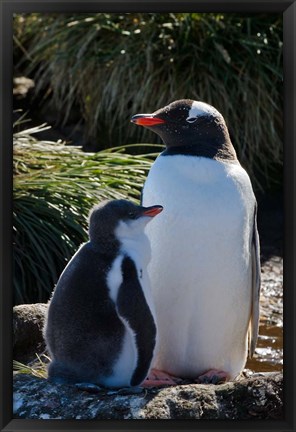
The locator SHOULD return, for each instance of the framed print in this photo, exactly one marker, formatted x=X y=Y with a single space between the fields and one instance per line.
x=147 y=215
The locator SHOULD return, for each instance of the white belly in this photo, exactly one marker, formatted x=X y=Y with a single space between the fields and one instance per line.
x=200 y=267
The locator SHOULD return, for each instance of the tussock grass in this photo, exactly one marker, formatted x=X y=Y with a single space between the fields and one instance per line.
x=37 y=368
x=54 y=188
x=111 y=66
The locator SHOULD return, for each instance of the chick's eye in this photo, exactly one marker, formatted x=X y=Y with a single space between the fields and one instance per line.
x=132 y=215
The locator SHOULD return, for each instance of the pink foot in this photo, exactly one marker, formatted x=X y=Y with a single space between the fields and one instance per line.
x=158 y=378
x=213 y=376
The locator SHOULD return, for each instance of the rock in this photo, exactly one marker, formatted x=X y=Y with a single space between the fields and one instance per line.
x=28 y=321
x=258 y=397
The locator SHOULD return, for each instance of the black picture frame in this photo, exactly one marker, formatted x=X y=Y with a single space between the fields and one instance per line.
x=7 y=9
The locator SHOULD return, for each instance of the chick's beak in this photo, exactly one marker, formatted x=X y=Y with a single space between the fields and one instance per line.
x=146 y=120
x=152 y=211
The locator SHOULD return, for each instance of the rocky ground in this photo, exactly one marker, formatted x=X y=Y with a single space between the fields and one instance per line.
x=259 y=397
x=271 y=300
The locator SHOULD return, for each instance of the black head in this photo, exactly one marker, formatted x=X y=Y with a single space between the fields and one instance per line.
x=105 y=218
x=188 y=123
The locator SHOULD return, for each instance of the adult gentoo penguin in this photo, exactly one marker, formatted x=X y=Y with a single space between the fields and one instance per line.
x=205 y=268
x=100 y=327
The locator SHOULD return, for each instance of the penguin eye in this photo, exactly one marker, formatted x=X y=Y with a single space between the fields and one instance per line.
x=132 y=215
x=191 y=119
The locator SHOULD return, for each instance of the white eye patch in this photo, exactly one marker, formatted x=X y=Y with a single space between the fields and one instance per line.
x=191 y=119
x=199 y=109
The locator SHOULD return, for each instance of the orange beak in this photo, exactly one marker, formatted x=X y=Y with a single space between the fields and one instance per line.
x=146 y=120
x=152 y=211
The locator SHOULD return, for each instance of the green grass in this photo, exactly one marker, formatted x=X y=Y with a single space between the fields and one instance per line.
x=55 y=186
x=108 y=67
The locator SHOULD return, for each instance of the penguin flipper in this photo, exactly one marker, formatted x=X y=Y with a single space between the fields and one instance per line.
x=133 y=308
x=256 y=285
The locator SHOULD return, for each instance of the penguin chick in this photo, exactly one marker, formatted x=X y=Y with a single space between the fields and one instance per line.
x=100 y=327
x=205 y=268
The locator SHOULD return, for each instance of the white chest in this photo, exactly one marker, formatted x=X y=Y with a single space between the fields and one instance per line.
x=205 y=203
